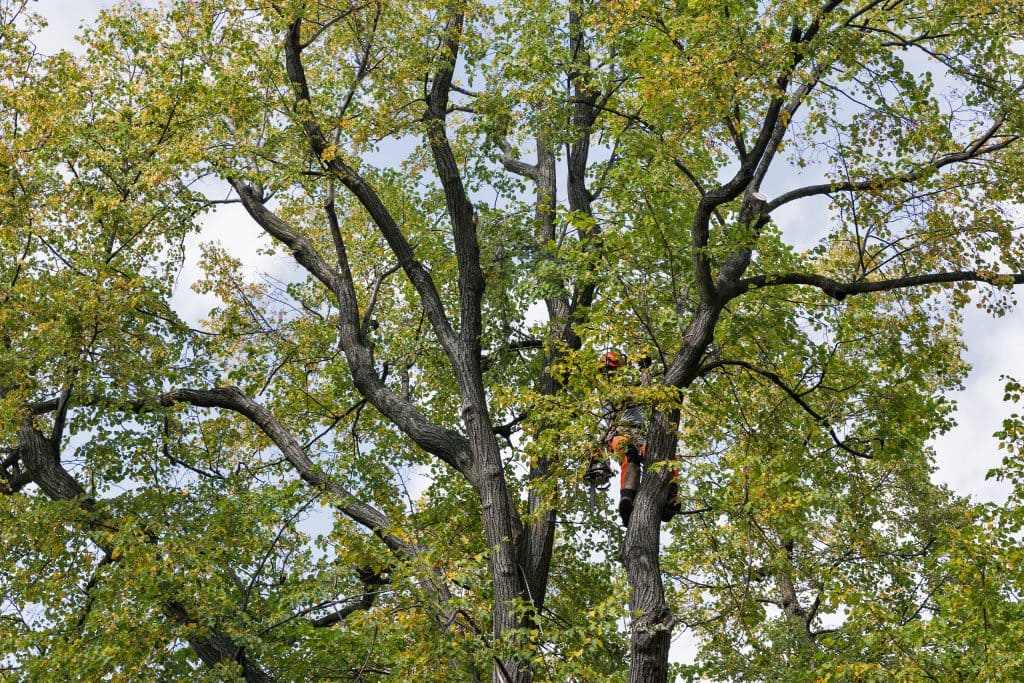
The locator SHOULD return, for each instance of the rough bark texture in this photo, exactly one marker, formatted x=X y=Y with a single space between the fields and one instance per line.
x=651 y=631
x=476 y=455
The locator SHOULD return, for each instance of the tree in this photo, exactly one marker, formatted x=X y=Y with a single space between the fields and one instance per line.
x=432 y=171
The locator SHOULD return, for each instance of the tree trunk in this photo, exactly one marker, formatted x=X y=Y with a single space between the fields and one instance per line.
x=652 y=624
x=504 y=529
x=503 y=539
x=652 y=627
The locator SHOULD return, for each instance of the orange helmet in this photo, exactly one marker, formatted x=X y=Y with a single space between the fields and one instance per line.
x=612 y=360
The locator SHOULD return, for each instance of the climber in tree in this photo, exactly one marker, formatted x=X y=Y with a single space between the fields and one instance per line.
x=599 y=470
x=625 y=436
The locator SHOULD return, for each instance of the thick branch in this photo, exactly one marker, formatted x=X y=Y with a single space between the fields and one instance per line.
x=977 y=148
x=538 y=542
x=782 y=125
x=42 y=462
x=364 y=193
x=754 y=165
x=840 y=290
x=514 y=165
x=40 y=456
x=460 y=209
x=232 y=398
x=304 y=252
x=445 y=444
x=585 y=97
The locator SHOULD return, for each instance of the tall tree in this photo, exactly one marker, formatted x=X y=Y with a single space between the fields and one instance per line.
x=784 y=206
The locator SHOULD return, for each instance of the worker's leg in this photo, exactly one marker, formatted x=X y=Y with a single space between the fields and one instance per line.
x=629 y=482
x=672 y=506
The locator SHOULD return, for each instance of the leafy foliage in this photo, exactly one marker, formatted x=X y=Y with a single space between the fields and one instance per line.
x=368 y=463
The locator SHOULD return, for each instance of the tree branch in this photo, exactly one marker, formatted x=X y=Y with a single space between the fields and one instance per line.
x=794 y=395
x=364 y=193
x=363 y=601
x=232 y=398
x=304 y=252
x=513 y=165
x=446 y=444
x=975 y=149
x=840 y=290
x=40 y=455
x=322 y=28
x=460 y=209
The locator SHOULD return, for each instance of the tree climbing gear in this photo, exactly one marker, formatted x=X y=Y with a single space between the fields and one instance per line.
x=598 y=476
x=599 y=473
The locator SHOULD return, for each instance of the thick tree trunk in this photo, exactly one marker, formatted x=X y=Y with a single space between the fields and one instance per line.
x=502 y=524
x=652 y=624
x=652 y=627
x=540 y=534
x=503 y=538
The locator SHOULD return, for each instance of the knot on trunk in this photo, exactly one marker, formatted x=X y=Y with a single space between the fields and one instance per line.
x=655 y=624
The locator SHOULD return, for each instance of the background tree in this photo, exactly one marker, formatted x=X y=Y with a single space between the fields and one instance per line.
x=432 y=172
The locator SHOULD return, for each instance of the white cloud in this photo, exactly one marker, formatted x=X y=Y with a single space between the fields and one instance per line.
x=967 y=452
x=65 y=19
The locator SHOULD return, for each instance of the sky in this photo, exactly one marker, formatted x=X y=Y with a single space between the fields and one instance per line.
x=964 y=455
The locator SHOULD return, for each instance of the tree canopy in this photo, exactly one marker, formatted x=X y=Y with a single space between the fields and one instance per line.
x=369 y=463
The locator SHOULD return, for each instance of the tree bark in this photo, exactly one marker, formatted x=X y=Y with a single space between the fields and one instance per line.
x=652 y=625
x=651 y=632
